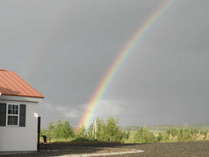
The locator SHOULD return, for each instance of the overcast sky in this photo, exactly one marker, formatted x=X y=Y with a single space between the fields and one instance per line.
x=63 y=48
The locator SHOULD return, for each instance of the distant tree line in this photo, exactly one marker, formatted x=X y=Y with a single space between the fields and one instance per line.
x=109 y=131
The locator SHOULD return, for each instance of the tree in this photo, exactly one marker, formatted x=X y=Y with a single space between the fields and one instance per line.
x=82 y=133
x=113 y=131
x=60 y=129
x=159 y=137
x=106 y=131
x=143 y=135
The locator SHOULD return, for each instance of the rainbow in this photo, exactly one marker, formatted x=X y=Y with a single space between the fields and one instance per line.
x=120 y=58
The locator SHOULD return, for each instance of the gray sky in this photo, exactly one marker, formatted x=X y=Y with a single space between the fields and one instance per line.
x=63 y=48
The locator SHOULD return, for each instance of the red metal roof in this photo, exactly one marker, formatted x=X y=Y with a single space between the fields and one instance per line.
x=13 y=85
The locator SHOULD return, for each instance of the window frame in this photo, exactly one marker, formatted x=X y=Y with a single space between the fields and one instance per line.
x=17 y=115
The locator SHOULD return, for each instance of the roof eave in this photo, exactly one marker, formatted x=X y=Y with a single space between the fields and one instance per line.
x=21 y=98
x=30 y=96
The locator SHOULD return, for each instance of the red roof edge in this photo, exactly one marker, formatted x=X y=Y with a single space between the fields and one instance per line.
x=24 y=96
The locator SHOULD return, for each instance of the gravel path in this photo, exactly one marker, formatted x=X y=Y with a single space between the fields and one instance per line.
x=104 y=154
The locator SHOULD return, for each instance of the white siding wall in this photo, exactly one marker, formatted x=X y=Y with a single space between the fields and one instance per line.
x=21 y=138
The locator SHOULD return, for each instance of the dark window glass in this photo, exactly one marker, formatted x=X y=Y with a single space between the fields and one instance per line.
x=12 y=120
x=12 y=109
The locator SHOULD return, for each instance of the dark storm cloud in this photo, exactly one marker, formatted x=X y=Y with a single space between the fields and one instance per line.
x=167 y=75
x=64 y=48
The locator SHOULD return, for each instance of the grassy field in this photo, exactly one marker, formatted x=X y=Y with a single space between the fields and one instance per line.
x=180 y=149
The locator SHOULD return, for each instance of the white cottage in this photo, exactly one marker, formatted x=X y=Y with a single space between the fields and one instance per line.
x=18 y=106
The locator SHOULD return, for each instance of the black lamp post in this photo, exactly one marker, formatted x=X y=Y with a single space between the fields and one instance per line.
x=38 y=132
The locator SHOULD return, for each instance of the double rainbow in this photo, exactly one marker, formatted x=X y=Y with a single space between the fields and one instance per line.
x=120 y=58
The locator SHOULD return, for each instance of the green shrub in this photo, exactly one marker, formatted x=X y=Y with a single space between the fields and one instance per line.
x=59 y=130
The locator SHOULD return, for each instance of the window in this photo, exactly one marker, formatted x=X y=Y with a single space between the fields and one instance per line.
x=13 y=114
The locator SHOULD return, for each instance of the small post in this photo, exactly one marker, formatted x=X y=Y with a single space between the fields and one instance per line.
x=95 y=129
x=39 y=133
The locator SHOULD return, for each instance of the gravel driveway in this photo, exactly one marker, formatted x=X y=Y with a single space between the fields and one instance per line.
x=184 y=149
